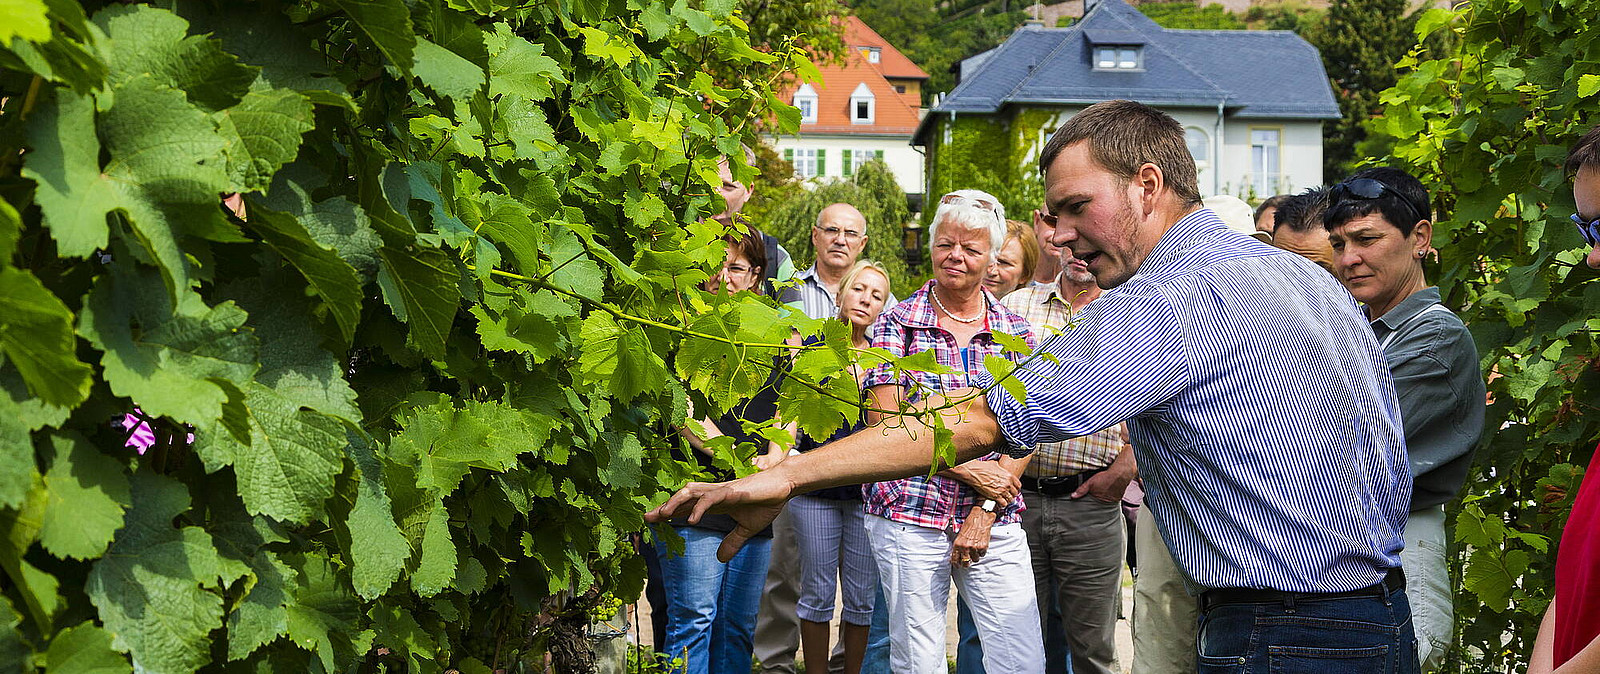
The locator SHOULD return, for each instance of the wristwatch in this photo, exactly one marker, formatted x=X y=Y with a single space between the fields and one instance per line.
x=987 y=505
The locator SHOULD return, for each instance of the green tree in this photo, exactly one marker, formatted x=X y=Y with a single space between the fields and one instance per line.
x=1360 y=41
x=936 y=36
x=1190 y=15
x=874 y=192
x=1485 y=118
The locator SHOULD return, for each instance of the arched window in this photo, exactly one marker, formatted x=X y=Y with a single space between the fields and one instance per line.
x=1199 y=145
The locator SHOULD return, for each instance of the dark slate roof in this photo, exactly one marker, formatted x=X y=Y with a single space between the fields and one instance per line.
x=1254 y=73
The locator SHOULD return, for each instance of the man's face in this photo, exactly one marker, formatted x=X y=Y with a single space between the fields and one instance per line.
x=1586 y=192
x=839 y=236
x=733 y=192
x=1045 y=233
x=1312 y=245
x=1095 y=216
x=1074 y=270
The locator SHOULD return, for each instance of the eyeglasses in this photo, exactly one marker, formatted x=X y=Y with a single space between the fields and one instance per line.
x=849 y=235
x=980 y=203
x=1367 y=189
x=1590 y=229
x=737 y=269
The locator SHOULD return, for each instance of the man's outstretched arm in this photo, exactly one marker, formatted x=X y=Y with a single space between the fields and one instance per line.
x=889 y=450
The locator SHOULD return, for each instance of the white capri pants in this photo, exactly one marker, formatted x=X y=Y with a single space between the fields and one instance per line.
x=914 y=568
x=832 y=539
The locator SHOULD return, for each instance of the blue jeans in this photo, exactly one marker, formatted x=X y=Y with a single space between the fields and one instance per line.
x=877 y=657
x=1351 y=635
x=711 y=606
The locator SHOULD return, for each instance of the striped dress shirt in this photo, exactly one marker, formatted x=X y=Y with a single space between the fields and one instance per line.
x=1261 y=410
x=1047 y=312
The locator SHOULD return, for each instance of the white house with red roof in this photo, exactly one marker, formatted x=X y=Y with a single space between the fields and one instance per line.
x=867 y=107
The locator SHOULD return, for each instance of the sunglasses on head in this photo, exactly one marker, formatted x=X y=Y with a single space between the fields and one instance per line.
x=1590 y=229
x=1367 y=189
x=962 y=199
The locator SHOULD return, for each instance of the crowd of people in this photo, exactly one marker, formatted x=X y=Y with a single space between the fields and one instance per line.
x=1262 y=411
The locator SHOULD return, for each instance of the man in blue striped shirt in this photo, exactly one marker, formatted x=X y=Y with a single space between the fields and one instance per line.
x=1262 y=413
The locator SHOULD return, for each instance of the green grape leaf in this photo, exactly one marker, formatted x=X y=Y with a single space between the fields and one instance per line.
x=421 y=282
x=398 y=631
x=19 y=528
x=1588 y=85
x=164 y=145
x=378 y=550
x=436 y=555
x=388 y=24
x=1492 y=574
x=184 y=360
x=15 y=651
x=657 y=22
x=86 y=494
x=36 y=336
x=261 y=616
x=262 y=37
x=84 y=649
x=151 y=586
x=519 y=69
x=65 y=162
x=820 y=413
x=333 y=279
x=263 y=133
x=294 y=404
x=148 y=42
x=1001 y=369
x=23 y=19
x=322 y=612
x=620 y=357
x=625 y=465
x=534 y=324
x=572 y=269
x=446 y=73
x=445 y=442
x=20 y=408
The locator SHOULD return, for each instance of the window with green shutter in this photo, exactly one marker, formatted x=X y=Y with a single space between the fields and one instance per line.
x=878 y=154
x=845 y=167
x=822 y=162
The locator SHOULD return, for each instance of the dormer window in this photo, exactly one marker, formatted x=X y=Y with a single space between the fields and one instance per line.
x=874 y=54
x=805 y=98
x=862 y=105
x=1117 y=57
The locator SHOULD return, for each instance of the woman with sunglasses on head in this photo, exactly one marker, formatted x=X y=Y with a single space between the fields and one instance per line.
x=962 y=524
x=1379 y=226
x=711 y=606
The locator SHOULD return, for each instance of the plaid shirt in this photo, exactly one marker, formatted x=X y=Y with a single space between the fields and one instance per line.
x=912 y=326
x=1043 y=307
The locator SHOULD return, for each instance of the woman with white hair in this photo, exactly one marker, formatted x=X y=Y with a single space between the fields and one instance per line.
x=963 y=524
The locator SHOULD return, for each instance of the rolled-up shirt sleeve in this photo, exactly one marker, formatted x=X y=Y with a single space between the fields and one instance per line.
x=1125 y=354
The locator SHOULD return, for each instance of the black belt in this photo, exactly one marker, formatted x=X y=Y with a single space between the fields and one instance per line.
x=1396 y=580
x=1058 y=486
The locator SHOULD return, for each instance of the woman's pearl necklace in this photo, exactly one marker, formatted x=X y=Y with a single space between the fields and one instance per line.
x=934 y=291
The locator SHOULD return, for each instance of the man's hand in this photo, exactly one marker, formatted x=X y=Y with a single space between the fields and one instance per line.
x=972 y=542
x=1109 y=485
x=753 y=502
x=768 y=460
x=989 y=478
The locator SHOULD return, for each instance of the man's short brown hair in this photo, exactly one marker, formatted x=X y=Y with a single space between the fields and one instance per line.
x=1125 y=135
x=1586 y=152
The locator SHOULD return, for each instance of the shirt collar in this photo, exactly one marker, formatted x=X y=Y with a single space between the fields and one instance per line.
x=923 y=315
x=1188 y=230
x=1409 y=307
x=809 y=273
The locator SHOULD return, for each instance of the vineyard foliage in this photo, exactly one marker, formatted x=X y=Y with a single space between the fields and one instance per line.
x=1487 y=119
x=408 y=409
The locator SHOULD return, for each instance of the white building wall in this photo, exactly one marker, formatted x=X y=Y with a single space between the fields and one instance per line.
x=904 y=161
x=1299 y=159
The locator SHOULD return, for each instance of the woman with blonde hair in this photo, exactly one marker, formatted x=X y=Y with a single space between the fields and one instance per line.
x=1014 y=262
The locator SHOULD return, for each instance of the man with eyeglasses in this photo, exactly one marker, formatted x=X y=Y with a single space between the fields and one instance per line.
x=1263 y=418
x=837 y=239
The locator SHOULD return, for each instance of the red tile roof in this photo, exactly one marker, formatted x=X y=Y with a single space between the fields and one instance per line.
x=891 y=62
x=894 y=113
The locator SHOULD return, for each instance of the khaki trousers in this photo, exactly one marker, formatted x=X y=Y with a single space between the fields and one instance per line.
x=1165 y=615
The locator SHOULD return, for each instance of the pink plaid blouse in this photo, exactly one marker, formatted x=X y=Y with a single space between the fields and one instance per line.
x=912 y=326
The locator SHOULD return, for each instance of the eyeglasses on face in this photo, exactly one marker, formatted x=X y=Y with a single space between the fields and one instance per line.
x=1367 y=189
x=1590 y=229
x=736 y=268
x=834 y=233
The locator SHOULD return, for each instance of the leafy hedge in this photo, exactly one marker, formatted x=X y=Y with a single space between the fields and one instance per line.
x=1486 y=115
x=409 y=409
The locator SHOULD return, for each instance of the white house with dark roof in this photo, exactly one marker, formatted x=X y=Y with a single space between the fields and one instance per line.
x=1252 y=102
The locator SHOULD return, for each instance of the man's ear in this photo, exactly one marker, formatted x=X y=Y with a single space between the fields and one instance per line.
x=1151 y=183
x=1423 y=233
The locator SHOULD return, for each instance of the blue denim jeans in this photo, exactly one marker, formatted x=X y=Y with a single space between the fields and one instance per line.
x=877 y=656
x=711 y=606
x=1351 y=635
